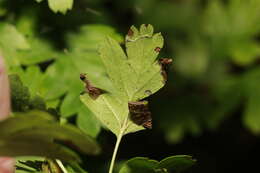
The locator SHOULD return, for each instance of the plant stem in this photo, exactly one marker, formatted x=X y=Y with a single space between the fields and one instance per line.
x=61 y=166
x=118 y=140
x=115 y=152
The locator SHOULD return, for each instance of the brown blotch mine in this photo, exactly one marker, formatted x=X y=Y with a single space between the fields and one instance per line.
x=140 y=114
x=165 y=62
x=93 y=92
x=130 y=32
x=157 y=49
x=146 y=25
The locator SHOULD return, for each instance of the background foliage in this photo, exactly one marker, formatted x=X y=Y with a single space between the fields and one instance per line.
x=213 y=83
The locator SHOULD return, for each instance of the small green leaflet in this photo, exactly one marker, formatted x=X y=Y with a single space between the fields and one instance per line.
x=177 y=163
x=38 y=134
x=59 y=5
x=134 y=76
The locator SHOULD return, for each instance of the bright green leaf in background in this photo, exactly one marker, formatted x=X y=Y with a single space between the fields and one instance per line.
x=11 y=42
x=62 y=77
x=212 y=45
x=233 y=28
x=177 y=163
x=251 y=85
x=59 y=5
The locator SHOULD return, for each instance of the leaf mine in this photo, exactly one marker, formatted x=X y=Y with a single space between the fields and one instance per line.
x=157 y=49
x=140 y=114
x=164 y=62
x=93 y=92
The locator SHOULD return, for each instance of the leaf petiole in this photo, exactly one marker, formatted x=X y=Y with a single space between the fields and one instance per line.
x=118 y=140
x=61 y=166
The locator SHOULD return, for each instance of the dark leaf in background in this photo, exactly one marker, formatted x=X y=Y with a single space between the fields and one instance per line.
x=23 y=134
x=171 y=164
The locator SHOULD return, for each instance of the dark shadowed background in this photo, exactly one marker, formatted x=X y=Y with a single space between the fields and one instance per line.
x=210 y=107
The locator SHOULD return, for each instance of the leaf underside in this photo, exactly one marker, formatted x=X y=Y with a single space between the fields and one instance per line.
x=135 y=75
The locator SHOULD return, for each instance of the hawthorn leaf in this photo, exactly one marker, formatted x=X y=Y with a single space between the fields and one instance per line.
x=245 y=52
x=176 y=163
x=139 y=165
x=170 y=164
x=59 y=5
x=58 y=77
x=75 y=168
x=71 y=103
x=87 y=122
x=28 y=164
x=32 y=78
x=23 y=134
x=11 y=42
x=134 y=76
x=251 y=88
x=41 y=49
x=81 y=57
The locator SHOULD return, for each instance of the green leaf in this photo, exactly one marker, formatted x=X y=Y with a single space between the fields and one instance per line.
x=28 y=164
x=59 y=5
x=245 y=52
x=87 y=122
x=54 y=84
x=232 y=29
x=23 y=134
x=134 y=76
x=32 y=78
x=139 y=165
x=177 y=163
x=11 y=42
x=41 y=49
x=252 y=111
x=71 y=103
x=75 y=168
x=82 y=57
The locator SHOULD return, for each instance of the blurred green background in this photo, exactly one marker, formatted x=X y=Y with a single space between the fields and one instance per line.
x=210 y=107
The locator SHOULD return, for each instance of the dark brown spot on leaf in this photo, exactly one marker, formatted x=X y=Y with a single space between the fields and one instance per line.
x=93 y=92
x=164 y=62
x=146 y=25
x=148 y=124
x=130 y=32
x=140 y=114
x=157 y=49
